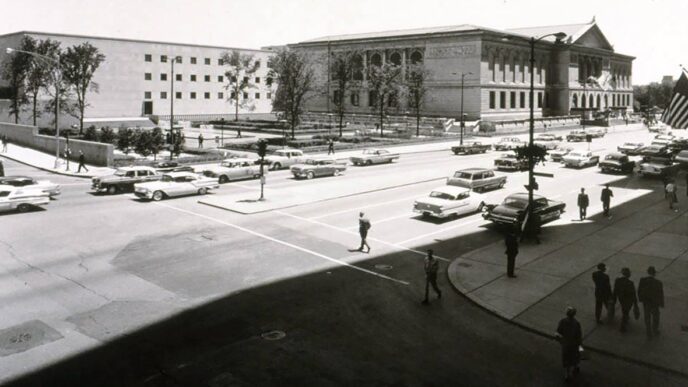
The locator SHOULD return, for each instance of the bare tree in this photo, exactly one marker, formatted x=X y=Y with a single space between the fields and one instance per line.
x=417 y=90
x=240 y=71
x=15 y=69
x=40 y=73
x=295 y=79
x=346 y=69
x=79 y=64
x=384 y=83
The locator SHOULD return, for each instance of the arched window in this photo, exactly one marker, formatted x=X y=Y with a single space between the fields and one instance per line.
x=583 y=101
x=376 y=60
x=575 y=101
x=416 y=57
x=592 y=101
x=372 y=98
x=598 y=101
x=358 y=68
x=395 y=58
x=606 y=102
x=354 y=99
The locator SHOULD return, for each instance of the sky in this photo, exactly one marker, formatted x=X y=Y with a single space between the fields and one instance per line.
x=654 y=31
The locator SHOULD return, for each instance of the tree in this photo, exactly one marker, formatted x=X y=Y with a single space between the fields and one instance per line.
x=654 y=94
x=417 y=90
x=239 y=73
x=91 y=134
x=384 y=83
x=142 y=142
x=66 y=98
x=41 y=74
x=125 y=139
x=157 y=142
x=15 y=69
x=346 y=69
x=79 y=63
x=295 y=79
x=107 y=135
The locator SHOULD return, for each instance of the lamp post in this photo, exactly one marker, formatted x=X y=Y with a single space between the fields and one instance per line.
x=463 y=122
x=58 y=80
x=172 y=96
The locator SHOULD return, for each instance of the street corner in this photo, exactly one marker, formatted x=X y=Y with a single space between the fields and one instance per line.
x=466 y=275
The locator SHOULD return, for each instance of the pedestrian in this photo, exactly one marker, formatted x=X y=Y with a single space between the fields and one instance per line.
x=583 y=202
x=651 y=294
x=363 y=227
x=200 y=140
x=431 y=266
x=603 y=293
x=665 y=182
x=624 y=293
x=330 y=147
x=4 y=143
x=671 y=195
x=217 y=141
x=82 y=162
x=511 y=252
x=570 y=336
x=606 y=198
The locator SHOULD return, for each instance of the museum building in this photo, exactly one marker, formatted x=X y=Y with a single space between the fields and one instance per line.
x=579 y=72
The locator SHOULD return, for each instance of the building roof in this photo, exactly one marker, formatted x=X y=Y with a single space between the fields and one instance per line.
x=398 y=33
x=572 y=31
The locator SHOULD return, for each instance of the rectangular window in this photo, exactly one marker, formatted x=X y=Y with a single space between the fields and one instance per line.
x=178 y=59
x=233 y=95
x=163 y=95
x=219 y=62
x=148 y=76
x=220 y=95
x=257 y=95
x=257 y=64
x=492 y=100
x=206 y=95
x=268 y=81
x=179 y=77
x=206 y=61
x=220 y=78
x=523 y=100
x=269 y=96
x=546 y=100
x=512 y=99
x=163 y=76
x=178 y=94
x=207 y=78
x=148 y=58
x=193 y=60
x=245 y=79
x=257 y=79
x=193 y=77
x=502 y=99
x=147 y=95
x=192 y=95
x=245 y=95
x=163 y=58
x=539 y=97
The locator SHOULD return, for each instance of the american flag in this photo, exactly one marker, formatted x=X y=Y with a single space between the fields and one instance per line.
x=676 y=114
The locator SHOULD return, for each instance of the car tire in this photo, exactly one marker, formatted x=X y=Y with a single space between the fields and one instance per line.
x=336 y=172
x=112 y=189
x=202 y=191
x=24 y=207
x=501 y=185
x=310 y=175
x=369 y=162
x=276 y=166
x=256 y=176
x=223 y=179
x=158 y=196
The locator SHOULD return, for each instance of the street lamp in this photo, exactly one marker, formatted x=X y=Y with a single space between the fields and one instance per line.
x=58 y=79
x=172 y=137
x=462 y=116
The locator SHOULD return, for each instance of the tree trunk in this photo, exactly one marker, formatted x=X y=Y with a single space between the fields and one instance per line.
x=34 y=108
x=382 y=113
x=418 y=124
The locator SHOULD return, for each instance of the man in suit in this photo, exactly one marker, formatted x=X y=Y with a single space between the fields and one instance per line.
x=651 y=294
x=603 y=293
x=606 y=198
x=431 y=266
x=511 y=252
x=583 y=202
x=82 y=162
x=624 y=292
x=363 y=227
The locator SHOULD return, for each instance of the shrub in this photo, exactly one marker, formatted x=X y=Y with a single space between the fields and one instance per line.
x=107 y=135
x=125 y=139
x=142 y=142
x=91 y=134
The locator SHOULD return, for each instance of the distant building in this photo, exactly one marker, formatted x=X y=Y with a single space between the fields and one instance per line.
x=667 y=80
x=135 y=80
x=498 y=68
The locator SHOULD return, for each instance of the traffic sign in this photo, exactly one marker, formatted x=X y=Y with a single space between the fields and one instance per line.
x=543 y=174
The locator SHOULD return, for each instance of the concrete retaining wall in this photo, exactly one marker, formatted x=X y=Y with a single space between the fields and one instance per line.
x=96 y=153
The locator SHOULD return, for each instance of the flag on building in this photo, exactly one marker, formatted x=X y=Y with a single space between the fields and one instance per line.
x=676 y=114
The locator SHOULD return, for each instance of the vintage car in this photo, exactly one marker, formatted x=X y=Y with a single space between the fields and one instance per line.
x=617 y=163
x=21 y=199
x=124 y=179
x=558 y=153
x=470 y=148
x=477 y=179
x=316 y=167
x=657 y=166
x=513 y=209
x=448 y=201
x=596 y=132
x=509 y=143
x=547 y=141
x=682 y=158
x=374 y=156
x=657 y=127
x=654 y=151
x=678 y=145
x=175 y=184
x=577 y=136
x=579 y=159
x=284 y=158
x=171 y=166
x=630 y=148
x=46 y=186
x=509 y=162
x=234 y=169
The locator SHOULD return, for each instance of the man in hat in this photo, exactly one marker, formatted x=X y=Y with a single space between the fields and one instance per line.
x=651 y=294
x=624 y=292
x=583 y=202
x=511 y=243
x=570 y=337
x=603 y=293
x=363 y=227
x=606 y=198
x=432 y=266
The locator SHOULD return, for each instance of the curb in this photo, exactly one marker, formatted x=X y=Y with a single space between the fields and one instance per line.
x=46 y=169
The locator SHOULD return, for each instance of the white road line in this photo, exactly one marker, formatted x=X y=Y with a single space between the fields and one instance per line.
x=293 y=246
x=479 y=219
x=356 y=233
x=365 y=207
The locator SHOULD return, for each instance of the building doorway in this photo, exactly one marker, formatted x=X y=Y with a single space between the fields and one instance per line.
x=147 y=108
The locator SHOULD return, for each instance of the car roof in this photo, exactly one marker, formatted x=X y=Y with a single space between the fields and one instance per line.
x=524 y=196
x=240 y=160
x=15 y=177
x=616 y=154
x=135 y=168
x=451 y=189
x=474 y=170
x=180 y=174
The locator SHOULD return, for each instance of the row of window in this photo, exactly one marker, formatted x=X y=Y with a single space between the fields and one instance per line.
x=206 y=78
x=206 y=95
x=513 y=101
x=355 y=99
x=617 y=100
x=192 y=60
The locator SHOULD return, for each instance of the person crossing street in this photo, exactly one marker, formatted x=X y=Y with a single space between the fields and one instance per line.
x=432 y=266
x=363 y=227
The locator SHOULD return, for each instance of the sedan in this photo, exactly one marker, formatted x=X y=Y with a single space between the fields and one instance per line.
x=317 y=167
x=513 y=210
x=449 y=201
x=580 y=159
x=21 y=199
x=46 y=186
x=175 y=184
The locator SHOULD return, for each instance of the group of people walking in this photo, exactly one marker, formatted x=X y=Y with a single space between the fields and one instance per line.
x=584 y=202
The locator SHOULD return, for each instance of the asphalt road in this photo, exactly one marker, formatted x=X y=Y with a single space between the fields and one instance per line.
x=178 y=293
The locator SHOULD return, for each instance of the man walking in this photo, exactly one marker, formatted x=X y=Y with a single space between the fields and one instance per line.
x=82 y=162
x=200 y=141
x=570 y=336
x=606 y=198
x=432 y=265
x=651 y=294
x=603 y=293
x=4 y=143
x=330 y=147
x=583 y=202
x=363 y=227
x=511 y=252
x=624 y=292
x=671 y=195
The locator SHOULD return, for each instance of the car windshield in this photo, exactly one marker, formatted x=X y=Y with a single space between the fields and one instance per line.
x=463 y=175
x=369 y=152
x=167 y=178
x=120 y=172
x=576 y=154
x=515 y=203
x=509 y=156
x=441 y=195
x=312 y=162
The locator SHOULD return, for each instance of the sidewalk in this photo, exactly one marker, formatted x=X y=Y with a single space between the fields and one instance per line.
x=46 y=162
x=557 y=273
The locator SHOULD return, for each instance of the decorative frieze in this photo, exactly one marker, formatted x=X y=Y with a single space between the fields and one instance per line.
x=450 y=51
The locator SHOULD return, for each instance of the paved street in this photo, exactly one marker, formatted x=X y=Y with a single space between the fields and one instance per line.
x=179 y=293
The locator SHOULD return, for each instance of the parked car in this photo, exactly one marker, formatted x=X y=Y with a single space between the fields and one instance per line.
x=663 y=139
x=46 y=186
x=477 y=179
x=374 y=156
x=509 y=162
x=678 y=145
x=616 y=162
x=123 y=179
x=470 y=148
x=558 y=153
x=547 y=141
x=509 y=143
x=579 y=159
x=234 y=169
x=577 y=136
x=21 y=199
x=596 y=132
x=682 y=158
x=657 y=127
x=630 y=148
x=316 y=167
x=171 y=166
x=513 y=209
x=657 y=166
x=174 y=184
x=448 y=201
x=654 y=151
x=284 y=158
